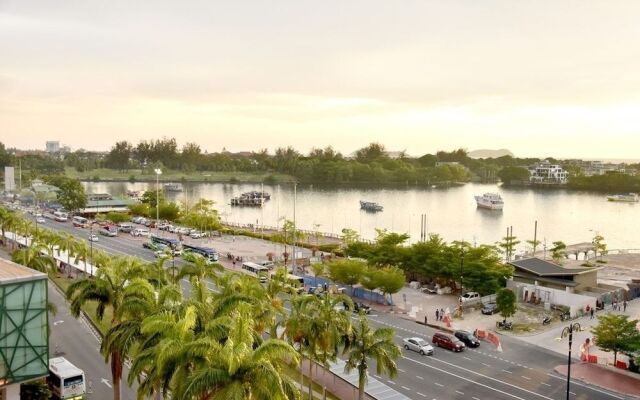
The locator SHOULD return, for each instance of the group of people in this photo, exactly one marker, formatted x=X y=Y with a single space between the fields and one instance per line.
x=616 y=305
x=440 y=313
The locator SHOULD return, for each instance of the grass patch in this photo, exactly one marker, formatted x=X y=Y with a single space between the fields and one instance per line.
x=89 y=308
x=137 y=175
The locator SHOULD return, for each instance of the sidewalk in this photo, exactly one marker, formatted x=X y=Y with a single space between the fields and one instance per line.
x=604 y=377
x=338 y=387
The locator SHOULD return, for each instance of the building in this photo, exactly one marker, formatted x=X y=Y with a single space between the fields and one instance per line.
x=53 y=146
x=104 y=203
x=546 y=173
x=9 y=179
x=548 y=274
x=24 y=329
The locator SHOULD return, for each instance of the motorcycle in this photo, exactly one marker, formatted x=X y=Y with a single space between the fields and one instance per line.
x=507 y=326
x=546 y=321
x=565 y=316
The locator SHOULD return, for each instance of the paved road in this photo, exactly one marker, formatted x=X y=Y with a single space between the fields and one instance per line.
x=521 y=371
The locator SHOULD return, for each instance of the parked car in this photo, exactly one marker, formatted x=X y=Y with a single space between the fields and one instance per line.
x=125 y=227
x=40 y=220
x=418 y=345
x=467 y=338
x=447 y=341
x=489 y=309
x=196 y=235
x=470 y=296
x=93 y=237
x=140 y=232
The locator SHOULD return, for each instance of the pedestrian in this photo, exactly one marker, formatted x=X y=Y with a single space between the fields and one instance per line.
x=425 y=319
x=441 y=314
x=613 y=305
x=437 y=315
x=592 y=313
x=624 y=306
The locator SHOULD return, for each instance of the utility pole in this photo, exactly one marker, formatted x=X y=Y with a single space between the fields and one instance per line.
x=295 y=197
x=535 y=238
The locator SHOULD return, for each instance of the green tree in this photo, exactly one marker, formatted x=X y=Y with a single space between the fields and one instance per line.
x=349 y=236
x=32 y=257
x=35 y=390
x=558 y=251
x=365 y=344
x=373 y=152
x=600 y=247
x=117 y=217
x=370 y=279
x=71 y=193
x=119 y=156
x=140 y=209
x=348 y=272
x=107 y=289
x=508 y=245
x=390 y=280
x=506 y=302
x=508 y=175
x=616 y=333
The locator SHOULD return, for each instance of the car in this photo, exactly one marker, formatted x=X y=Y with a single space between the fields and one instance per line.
x=357 y=307
x=418 y=345
x=467 y=338
x=93 y=237
x=267 y=264
x=447 y=341
x=40 y=220
x=196 y=235
x=489 y=309
x=470 y=296
x=161 y=253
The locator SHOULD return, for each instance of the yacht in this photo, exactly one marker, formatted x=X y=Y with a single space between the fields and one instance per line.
x=173 y=187
x=491 y=201
x=627 y=198
x=370 y=206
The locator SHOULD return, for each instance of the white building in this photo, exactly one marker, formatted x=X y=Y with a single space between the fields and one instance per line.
x=545 y=172
x=53 y=146
x=9 y=179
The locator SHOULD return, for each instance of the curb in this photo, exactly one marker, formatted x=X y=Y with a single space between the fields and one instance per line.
x=590 y=382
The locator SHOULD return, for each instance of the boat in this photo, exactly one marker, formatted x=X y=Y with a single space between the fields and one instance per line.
x=173 y=187
x=491 y=201
x=626 y=198
x=247 y=201
x=370 y=206
x=256 y=194
x=135 y=195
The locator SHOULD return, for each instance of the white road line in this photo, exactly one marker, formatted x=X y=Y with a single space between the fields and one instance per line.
x=466 y=358
x=406 y=388
x=419 y=377
x=486 y=365
x=459 y=392
x=572 y=393
x=585 y=386
x=508 y=372
x=464 y=379
x=401 y=370
x=437 y=384
x=391 y=382
x=475 y=398
x=420 y=394
x=546 y=384
x=525 y=377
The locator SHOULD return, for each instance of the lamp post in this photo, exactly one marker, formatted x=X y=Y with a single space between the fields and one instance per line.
x=461 y=275
x=295 y=196
x=158 y=172
x=90 y=248
x=568 y=331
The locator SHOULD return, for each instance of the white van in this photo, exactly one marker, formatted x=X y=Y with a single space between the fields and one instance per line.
x=267 y=264
x=140 y=232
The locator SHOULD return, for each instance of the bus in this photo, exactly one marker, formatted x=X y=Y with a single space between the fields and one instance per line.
x=60 y=216
x=208 y=253
x=291 y=282
x=257 y=270
x=65 y=380
x=80 y=222
x=173 y=244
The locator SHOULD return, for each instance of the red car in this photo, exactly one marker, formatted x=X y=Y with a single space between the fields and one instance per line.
x=447 y=341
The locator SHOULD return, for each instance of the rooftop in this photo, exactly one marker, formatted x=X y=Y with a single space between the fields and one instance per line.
x=11 y=272
x=540 y=267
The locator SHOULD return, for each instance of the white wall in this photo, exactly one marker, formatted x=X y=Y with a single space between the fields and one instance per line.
x=575 y=302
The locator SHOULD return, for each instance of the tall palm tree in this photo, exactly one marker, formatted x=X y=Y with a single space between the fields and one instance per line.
x=240 y=367
x=9 y=220
x=33 y=258
x=365 y=344
x=108 y=290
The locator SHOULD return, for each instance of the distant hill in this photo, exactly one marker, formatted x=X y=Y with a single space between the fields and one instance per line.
x=489 y=153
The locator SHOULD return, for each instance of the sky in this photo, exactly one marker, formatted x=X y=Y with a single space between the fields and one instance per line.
x=538 y=77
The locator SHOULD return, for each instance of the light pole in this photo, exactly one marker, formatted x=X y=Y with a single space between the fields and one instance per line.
x=568 y=331
x=90 y=248
x=461 y=275
x=158 y=172
x=295 y=197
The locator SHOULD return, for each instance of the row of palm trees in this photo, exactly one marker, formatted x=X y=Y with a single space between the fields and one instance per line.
x=222 y=336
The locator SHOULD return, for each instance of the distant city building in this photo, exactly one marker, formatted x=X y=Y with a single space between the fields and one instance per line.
x=9 y=179
x=546 y=173
x=443 y=163
x=104 y=203
x=600 y=168
x=53 y=146
x=24 y=348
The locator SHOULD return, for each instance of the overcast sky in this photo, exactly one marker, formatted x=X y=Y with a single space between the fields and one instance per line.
x=541 y=78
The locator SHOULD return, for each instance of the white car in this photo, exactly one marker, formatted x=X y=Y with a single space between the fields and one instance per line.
x=470 y=296
x=418 y=345
x=40 y=220
x=196 y=235
x=93 y=238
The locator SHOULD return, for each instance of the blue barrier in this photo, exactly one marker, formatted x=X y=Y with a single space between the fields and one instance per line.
x=357 y=292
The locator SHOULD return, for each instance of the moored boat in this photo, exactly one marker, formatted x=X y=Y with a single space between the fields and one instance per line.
x=626 y=198
x=173 y=187
x=490 y=201
x=370 y=206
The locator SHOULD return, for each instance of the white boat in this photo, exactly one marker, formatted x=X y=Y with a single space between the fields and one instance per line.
x=173 y=187
x=491 y=201
x=627 y=198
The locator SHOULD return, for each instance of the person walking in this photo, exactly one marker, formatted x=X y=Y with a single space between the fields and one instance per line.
x=624 y=306
x=441 y=314
x=437 y=315
x=591 y=313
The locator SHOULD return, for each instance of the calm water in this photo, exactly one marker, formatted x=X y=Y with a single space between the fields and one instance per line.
x=562 y=215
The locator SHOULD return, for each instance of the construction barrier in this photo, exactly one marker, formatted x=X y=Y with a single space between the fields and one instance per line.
x=592 y=359
x=621 y=364
x=494 y=339
x=481 y=333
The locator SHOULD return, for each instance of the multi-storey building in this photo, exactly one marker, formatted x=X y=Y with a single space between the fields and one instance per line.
x=547 y=173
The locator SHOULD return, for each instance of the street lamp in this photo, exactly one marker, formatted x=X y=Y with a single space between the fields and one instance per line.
x=158 y=172
x=295 y=197
x=461 y=275
x=568 y=331
x=90 y=248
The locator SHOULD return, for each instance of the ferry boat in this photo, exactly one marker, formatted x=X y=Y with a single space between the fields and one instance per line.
x=626 y=198
x=370 y=206
x=491 y=201
x=173 y=187
x=247 y=201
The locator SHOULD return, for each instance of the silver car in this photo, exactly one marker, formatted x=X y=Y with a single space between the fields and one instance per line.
x=418 y=345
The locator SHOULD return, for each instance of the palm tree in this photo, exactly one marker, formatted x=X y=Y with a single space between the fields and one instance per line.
x=108 y=290
x=33 y=258
x=240 y=367
x=365 y=344
x=9 y=220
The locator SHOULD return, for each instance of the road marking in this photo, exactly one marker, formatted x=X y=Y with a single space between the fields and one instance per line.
x=463 y=378
x=419 y=377
x=391 y=382
x=508 y=372
x=466 y=358
x=420 y=394
x=401 y=370
x=486 y=365
x=546 y=384
x=475 y=398
x=459 y=392
x=106 y=382
x=586 y=387
x=525 y=377
x=437 y=384
x=56 y=323
x=406 y=388
x=572 y=393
